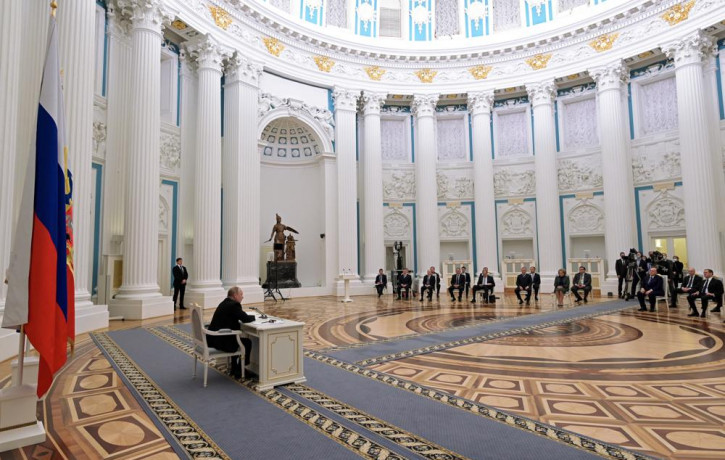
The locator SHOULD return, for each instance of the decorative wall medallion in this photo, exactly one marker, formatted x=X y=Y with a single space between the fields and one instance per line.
x=586 y=218
x=396 y=225
x=516 y=222
x=480 y=72
x=400 y=186
x=454 y=224
x=604 y=42
x=666 y=212
x=421 y=15
x=366 y=13
x=99 y=139
x=221 y=17
x=324 y=63
x=426 y=75
x=477 y=12
x=375 y=72
x=539 y=61
x=678 y=13
x=273 y=45
x=179 y=25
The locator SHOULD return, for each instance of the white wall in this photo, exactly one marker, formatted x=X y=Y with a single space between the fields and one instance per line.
x=459 y=250
x=283 y=88
x=593 y=244
x=523 y=249
x=296 y=194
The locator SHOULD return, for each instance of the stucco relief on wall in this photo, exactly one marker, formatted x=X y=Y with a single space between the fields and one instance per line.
x=580 y=174
x=396 y=225
x=516 y=222
x=269 y=102
x=99 y=139
x=586 y=218
x=399 y=186
x=454 y=224
x=511 y=182
x=666 y=211
x=656 y=164
x=453 y=187
x=170 y=151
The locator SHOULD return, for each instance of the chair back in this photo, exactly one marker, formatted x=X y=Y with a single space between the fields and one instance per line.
x=197 y=327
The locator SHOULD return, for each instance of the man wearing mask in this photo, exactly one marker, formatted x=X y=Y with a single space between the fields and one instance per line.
x=677 y=271
x=621 y=268
x=640 y=272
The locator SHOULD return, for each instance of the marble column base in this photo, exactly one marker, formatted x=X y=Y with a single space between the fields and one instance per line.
x=18 y=406
x=142 y=308
x=209 y=297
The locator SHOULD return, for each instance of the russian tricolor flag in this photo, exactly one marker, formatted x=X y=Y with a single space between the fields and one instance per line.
x=40 y=275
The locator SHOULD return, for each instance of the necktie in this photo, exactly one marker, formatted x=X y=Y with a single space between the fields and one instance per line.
x=704 y=288
x=689 y=285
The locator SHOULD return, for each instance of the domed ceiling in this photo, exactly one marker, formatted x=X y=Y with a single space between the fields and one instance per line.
x=288 y=139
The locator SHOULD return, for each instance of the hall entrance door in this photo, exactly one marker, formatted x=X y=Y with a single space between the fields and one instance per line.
x=672 y=246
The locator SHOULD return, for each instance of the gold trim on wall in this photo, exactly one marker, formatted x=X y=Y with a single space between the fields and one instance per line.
x=324 y=63
x=273 y=45
x=539 y=61
x=375 y=72
x=480 y=72
x=604 y=42
x=221 y=17
x=678 y=13
x=426 y=75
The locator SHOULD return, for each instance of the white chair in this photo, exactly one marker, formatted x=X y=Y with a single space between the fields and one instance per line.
x=567 y=298
x=665 y=297
x=202 y=352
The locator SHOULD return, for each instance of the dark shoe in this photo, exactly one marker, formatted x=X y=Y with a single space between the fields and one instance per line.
x=430 y=298
x=703 y=315
x=182 y=307
x=652 y=310
x=642 y=309
x=717 y=310
x=585 y=300
x=459 y=299
x=693 y=314
x=528 y=303
x=453 y=299
x=473 y=301
x=421 y=299
x=521 y=302
x=536 y=299
x=673 y=306
x=398 y=298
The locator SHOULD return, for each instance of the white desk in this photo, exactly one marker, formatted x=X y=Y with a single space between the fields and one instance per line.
x=276 y=351
x=346 y=279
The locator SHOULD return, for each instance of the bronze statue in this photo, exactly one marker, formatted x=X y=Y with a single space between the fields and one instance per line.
x=289 y=250
x=279 y=238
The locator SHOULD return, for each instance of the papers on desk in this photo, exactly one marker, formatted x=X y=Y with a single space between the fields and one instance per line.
x=268 y=321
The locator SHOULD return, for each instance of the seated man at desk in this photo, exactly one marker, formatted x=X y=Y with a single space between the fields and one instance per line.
x=229 y=315
x=404 y=283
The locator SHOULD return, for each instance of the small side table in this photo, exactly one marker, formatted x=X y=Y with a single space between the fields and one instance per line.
x=346 y=279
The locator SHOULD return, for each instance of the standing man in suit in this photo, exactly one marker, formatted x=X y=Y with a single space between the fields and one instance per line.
x=535 y=282
x=677 y=270
x=582 y=282
x=467 y=276
x=639 y=273
x=404 y=283
x=381 y=281
x=437 y=280
x=458 y=281
x=652 y=287
x=620 y=267
x=427 y=285
x=523 y=283
x=180 y=276
x=229 y=315
x=691 y=286
x=712 y=290
x=485 y=283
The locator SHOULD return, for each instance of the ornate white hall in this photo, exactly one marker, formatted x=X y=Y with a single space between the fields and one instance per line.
x=493 y=133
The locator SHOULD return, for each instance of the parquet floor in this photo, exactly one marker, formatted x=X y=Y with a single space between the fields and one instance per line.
x=651 y=382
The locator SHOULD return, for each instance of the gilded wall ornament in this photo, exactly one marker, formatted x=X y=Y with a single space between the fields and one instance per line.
x=426 y=75
x=179 y=25
x=539 y=61
x=221 y=17
x=273 y=45
x=375 y=72
x=678 y=13
x=604 y=42
x=480 y=72
x=324 y=63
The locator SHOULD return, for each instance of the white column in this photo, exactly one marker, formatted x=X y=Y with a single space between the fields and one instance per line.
x=117 y=96
x=188 y=159
x=241 y=178
x=699 y=180
x=139 y=296
x=548 y=222
x=10 y=43
x=345 y=149
x=426 y=186
x=713 y=106
x=373 y=186
x=480 y=104
x=619 y=213
x=205 y=287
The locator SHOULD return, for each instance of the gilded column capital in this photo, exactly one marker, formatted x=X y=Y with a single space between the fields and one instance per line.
x=151 y=15
x=207 y=52
x=541 y=93
x=694 y=48
x=424 y=105
x=372 y=102
x=239 y=68
x=345 y=99
x=610 y=76
x=480 y=102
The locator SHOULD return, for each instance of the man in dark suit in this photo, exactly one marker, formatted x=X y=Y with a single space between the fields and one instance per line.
x=458 y=282
x=180 y=276
x=428 y=284
x=404 y=283
x=437 y=280
x=652 y=287
x=485 y=283
x=690 y=285
x=582 y=282
x=711 y=291
x=229 y=315
x=535 y=282
x=381 y=281
x=523 y=283
x=677 y=270
x=639 y=273
x=467 y=276
x=620 y=267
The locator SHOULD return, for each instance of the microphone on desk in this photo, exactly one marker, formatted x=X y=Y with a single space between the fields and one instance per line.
x=262 y=315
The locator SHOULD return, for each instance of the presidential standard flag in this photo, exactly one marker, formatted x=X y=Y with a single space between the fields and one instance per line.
x=40 y=276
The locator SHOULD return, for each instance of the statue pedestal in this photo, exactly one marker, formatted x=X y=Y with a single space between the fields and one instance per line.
x=281 y=275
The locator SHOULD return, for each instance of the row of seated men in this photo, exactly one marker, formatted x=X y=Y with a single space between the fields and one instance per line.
x=431 y=282
x=706 y=288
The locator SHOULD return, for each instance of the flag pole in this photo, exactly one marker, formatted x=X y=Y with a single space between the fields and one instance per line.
x=21 y=356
